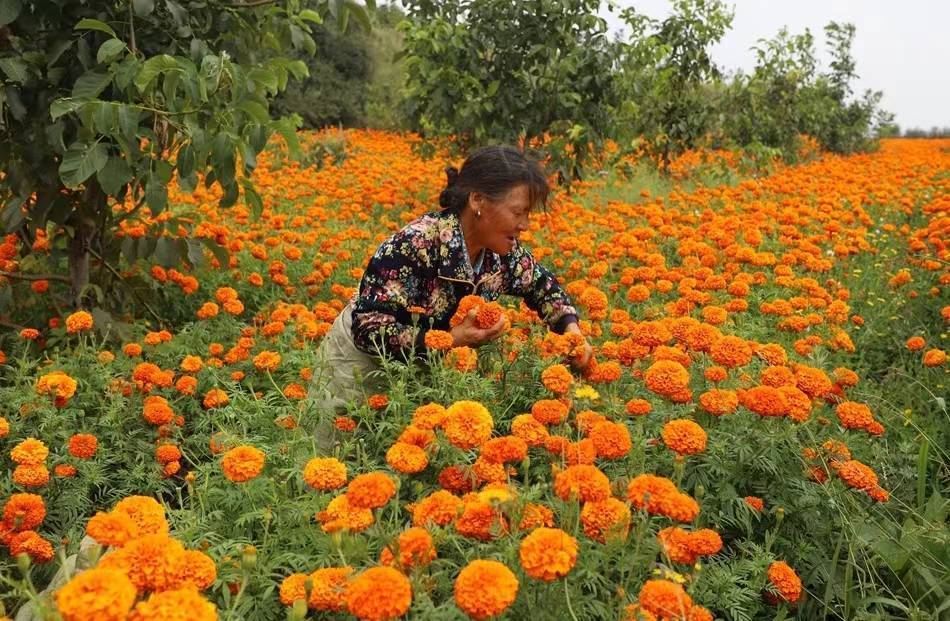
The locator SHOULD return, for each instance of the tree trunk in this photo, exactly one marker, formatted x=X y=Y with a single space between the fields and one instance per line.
x=84 y=230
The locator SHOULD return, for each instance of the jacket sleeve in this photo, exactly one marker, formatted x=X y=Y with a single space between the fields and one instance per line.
x=391 y=284
x=528 y=279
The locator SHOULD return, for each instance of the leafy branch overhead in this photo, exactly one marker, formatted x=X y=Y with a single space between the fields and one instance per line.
x=108 y=103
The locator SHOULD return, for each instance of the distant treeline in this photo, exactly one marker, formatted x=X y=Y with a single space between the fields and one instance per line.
x=546 y=73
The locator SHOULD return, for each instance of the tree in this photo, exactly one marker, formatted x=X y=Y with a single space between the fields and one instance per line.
x=766 y=108
x=106 y=102
x=669 y=76
x=536 y=72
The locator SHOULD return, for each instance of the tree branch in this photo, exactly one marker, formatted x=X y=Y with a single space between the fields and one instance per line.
x=250 y=4
x=131 y=289
x=19 y=276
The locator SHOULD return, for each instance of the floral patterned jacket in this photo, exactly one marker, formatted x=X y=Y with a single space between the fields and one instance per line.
x=426 y=265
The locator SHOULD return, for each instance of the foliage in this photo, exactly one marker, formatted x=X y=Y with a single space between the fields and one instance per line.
x=669 y=76
x=803 y=251
x=534 y=73
x=109 y=102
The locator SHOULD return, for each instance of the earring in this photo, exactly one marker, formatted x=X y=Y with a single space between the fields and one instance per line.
x=478 y=214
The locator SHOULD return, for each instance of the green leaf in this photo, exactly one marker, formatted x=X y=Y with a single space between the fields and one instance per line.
x=156 y=196
x=151 y=68
x=91 y=84
x=267 y=79
x=94 y=24
x=167 y=252
x=81 y=162
x=311 y=16
x=115 y=175
x=9 y=11
x=196 y=255
x=12 y=216
x=287 y=128
x=110 y=50
x=254 y=110
x=15 y=69
x=252 y=199
x=143 y=8
x=220 y=252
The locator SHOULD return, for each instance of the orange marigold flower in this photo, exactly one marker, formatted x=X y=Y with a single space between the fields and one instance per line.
x=764 y=401
x=485 y=589
x=167 y=453
x=504 y=449
x=658 y=495
x=439 y=508
x=377 y=402
x=341 y=515
x=147 y=514
x=23 y=512
x=856 y=474
x=156 y=411
x=29 y=452
x=549 y=411
x=29 y=334
x=606 y=519
x=428 y=416
x=196 y=569
x=328 y=589
x=915 y=343
x=813 y=382
x=132 y=350
x=4 y=427
x=638 y=407
x=414 y=548
x=207 y=310
x=83 y=445
x=934 y=357
x=31 y=543
x=674 y=542
x=785 y=581
x=371 y=490
x=667 y=378
x=96 y=594
x=526 y=427
x=684 y=436
x=468 y=424
x=215 y=398
x=719 y=402
x=462 y=358
x=293 y=588
x=557 y=379
x=456 y=479
x=854 y=415
x=379 y=593
x=731 y=352
x=191 y=364
x=31 y=476
x=755 y=503
x=548 y=554
x=267 y=361
x=58 y=384
x=439 y=340
x=583 y=482
x=406 y=458
x=611 y=440
x=177 y=605
x=325 y=473
x=111 y=529
x=242 y=463
x=78 y=322
x=149 y=561
x=534 y=515
x=665 y=599
x=480 y=519
x=715 y=374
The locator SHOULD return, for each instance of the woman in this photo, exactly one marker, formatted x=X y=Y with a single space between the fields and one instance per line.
x=415 y=280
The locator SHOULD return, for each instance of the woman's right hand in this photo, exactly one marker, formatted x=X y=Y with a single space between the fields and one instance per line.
x=469 y=334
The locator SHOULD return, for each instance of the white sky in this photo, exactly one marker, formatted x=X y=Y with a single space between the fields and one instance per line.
x=900 y=47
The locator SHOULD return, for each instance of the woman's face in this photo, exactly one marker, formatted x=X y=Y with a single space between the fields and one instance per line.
x=502 y=221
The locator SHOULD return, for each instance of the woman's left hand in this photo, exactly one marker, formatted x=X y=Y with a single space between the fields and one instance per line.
x=582 y=358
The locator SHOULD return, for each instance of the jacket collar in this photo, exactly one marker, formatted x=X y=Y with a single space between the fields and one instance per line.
x=457 y=266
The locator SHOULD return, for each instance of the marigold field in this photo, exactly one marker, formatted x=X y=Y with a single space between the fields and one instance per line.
x=762 y=435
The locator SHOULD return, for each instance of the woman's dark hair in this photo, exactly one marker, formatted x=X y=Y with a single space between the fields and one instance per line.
x=493 y=171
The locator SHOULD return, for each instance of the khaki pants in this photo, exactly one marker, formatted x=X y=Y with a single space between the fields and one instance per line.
x=342 y=374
